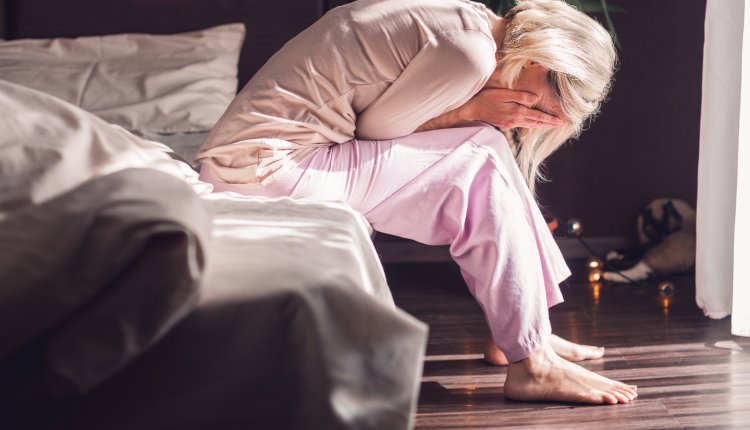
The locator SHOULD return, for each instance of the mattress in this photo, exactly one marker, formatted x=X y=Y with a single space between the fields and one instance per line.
x=296 y=329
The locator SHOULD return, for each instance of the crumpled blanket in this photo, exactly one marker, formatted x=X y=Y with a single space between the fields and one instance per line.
x=102 y=252
x=101 y=273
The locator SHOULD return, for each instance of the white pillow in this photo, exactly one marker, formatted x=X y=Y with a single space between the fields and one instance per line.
x=156 y=83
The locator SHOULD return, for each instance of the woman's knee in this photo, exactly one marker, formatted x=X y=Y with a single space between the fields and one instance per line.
x=490 y=138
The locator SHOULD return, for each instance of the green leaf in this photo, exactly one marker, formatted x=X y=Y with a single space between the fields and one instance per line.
x=595 y=6
x=610 y=24
x=501 y=7
x=505 y=6
x=493 y=5
x=576 y=4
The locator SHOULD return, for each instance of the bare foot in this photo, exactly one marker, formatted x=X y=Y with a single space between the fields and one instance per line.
x=573 y=351
x=565 y=349
x=546 y=376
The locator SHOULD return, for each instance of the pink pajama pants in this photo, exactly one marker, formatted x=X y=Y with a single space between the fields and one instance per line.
x=458 y=186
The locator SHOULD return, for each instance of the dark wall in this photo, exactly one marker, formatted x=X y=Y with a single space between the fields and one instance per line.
x=269 y=24
x=645 y=143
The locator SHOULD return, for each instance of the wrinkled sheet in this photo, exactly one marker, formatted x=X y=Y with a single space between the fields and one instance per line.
x=99 y=274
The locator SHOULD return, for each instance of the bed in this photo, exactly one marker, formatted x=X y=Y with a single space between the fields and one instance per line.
x=132 y=296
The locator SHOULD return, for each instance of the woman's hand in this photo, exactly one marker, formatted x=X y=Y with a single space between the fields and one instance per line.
x=502 y=108
x=508 y=109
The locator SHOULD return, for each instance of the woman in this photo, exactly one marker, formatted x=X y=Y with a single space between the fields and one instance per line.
x=390 y=106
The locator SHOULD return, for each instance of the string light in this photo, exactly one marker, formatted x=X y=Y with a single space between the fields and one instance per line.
x=575 y=228
x=666 y=288
x=595 y=275
x=596 y=268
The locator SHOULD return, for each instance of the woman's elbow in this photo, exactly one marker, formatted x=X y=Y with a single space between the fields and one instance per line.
x=381 y=130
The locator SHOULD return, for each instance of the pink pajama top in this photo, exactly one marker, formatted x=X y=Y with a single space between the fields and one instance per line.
x=372 y=69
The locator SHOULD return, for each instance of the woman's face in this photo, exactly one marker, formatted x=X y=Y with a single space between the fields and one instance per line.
x=535 y=79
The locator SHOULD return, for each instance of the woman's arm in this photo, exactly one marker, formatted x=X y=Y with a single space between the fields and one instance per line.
x=502 y=108
x=448 y=70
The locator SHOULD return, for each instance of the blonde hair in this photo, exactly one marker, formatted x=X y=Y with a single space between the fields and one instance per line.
x=581 y=58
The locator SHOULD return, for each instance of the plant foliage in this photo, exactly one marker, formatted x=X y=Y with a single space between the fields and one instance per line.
x=588 y=6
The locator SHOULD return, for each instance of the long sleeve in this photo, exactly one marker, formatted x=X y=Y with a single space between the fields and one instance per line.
x=449 y=69
x=371 y=69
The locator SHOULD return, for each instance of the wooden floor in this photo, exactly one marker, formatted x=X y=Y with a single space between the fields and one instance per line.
x=690 y=371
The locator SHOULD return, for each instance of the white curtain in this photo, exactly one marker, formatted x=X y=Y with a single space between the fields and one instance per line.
x=723 y=249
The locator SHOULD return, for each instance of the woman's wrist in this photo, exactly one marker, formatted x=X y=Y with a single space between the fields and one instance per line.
x=467 y=113
x=449 y=119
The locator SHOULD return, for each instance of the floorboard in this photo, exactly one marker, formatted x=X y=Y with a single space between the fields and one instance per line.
x=691 y=372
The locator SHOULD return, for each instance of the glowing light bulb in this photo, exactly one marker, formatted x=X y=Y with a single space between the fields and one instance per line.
x=594 y=263
x=574 y=227
x=595 y=275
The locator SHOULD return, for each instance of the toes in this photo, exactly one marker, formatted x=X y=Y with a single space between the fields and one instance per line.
x=621 y=397
x=585 y=352
x=609 y=398
x=574 y=356
x=628 y=394
x=624 y=386
x=633 y=390
x=635 y=393
x=596 y=397
x=628 y=390
x=594 y=352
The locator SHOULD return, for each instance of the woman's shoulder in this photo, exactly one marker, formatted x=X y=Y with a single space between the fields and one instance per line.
x=463 y=52
x=432 y=16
